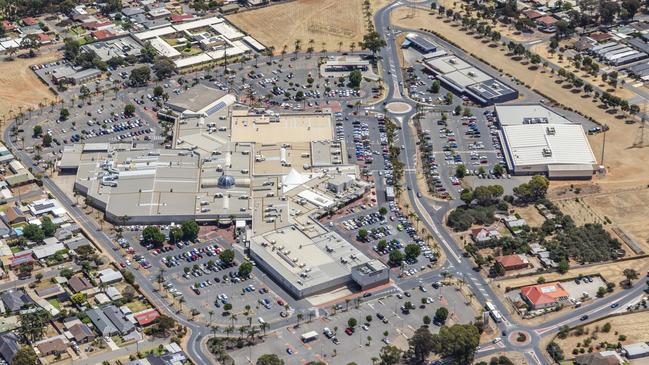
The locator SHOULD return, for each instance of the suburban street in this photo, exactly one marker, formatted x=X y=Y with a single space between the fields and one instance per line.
x=431 y=213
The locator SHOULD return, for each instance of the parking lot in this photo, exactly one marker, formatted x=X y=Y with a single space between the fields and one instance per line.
x=379 y=322
x=385 y=234
x=195 y=272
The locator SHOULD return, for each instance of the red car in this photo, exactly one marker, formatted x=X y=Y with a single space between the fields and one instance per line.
x=349 y=331
x=280 y=302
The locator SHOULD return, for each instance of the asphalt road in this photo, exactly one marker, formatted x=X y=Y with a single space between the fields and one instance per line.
x=431 y=215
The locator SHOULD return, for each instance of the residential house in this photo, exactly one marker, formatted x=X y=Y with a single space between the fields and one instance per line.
x=514 y=224
x=113 y=293
x=117 y=319
x=146 y=317
x=14 y=215
x=51 y=346
x=5 y=230
x=9 y=346
x=101 y=322
x=543 y=296
x=29 y=21
x=546 y=23
x=79 y=283
x=484 y=234
x=81 y=333
x=109 y=276
x=49 y=291
x=179 y=18
x=513 y=262
x=8 y=26
x=15 y=300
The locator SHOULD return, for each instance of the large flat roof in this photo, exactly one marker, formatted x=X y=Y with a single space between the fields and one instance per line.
x=514 y=114
x=306 y=261
x=538 y=144
x=195 y=98
x=286 y=128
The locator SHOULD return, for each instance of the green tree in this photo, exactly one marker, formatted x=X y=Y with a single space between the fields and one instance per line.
x=158 y=91
x=441 y=314
x=152 y=236
x=435 y=87
x=164 y=67
x=499 y=170
x=32 y=324
x=395 y=257
x=245 y=269
x=140 y=76
x=190 y=230
x=533 y=190
x=355 y=78
x=412 y=251
x=64 y=114
x=47 y=140
x=25 y=356
x=48 y=227
x=129 y=109
x=460 y=171
x=227 y=256
x=362 y=234
x=383 y=211
x=382 y=245
x=175 y=234
x=79 y=299
x=373 y=42
x=33 y=233
x=421 y=344
x=390 y=355
x=38 y=130
x=457 y=342
x=352 y=322
x=269 y=359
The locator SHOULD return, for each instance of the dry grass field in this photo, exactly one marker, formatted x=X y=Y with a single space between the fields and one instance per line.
x=634 y=326
x=20 y=86
x=327 y=22
x=516 y=357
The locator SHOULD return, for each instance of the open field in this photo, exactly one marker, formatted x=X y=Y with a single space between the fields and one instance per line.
x=531 y=215
x=20 y=86
x=634 y=326
x=327 y=22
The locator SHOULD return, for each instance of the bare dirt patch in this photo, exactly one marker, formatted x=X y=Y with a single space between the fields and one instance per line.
x=21 y=88
x=323 y=21
x=531 y=215
x=634 y=326
x=516 y=357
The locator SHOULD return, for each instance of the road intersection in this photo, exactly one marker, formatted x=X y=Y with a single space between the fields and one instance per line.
x=431 y=213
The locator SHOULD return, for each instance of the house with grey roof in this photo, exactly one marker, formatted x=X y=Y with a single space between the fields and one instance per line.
x=101 y=322
x=15 y=300
x=117 y=319
x=8 y=346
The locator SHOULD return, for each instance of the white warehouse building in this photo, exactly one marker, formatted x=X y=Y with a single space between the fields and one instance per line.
x=538 y=141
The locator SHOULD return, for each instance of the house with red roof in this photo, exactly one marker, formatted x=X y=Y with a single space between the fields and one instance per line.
x=8 y=26
x=532 y=14
x=546 y=23
x=546 y=295
x=513 y=262
x=178 y=18
x=102 y=34
x=484 y=234
x=43 y=38
x=30 y=21
x=146 y=317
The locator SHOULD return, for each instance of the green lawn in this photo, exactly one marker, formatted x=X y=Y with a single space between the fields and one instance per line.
x=55 y=303
x=15 y=249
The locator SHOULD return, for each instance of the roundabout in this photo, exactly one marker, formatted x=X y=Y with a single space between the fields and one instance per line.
x=398 y=107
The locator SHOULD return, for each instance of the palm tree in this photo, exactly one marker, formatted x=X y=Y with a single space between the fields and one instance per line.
x=299 y=318
x=284 y=51
x=228 y=330
x=347 y=304
x=233 y=318
x=242 y=330
x=210 y=313
x=340 y=46
x=264 y=327
x=180 y=302
x=352 y=46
